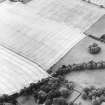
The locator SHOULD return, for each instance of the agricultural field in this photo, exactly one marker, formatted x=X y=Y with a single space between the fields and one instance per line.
x=17 y=72
x=43 y=34
x=41 y=29
x=35 y=38
x=72 y=13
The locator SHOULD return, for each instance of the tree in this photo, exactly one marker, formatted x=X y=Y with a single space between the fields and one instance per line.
x=65 y=92
x=14 y=102
x=84 y=96
x=69 y=68
x=71 y=103
x=61 y=71
x=13 y=96
x=59 y=101
x=90 y=95
x=41 y=96
x=102 y=37
x=95 y=102
x=74 y=66
x=92 y=88
x=89 y=65
x=84 y=66
x=102 y=98
x=93 y=64
x=103 y=64
x=60 y=78
x=78 y=66
x=14 y=0
x=45 y=88
x=99 y=65
x=94 y=93
x=86 y=90
x=53 y=94
x=5 y=97
x=48 y=102
x=70 y=85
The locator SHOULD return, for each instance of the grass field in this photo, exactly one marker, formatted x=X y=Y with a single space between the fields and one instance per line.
x=79 y=54
x=97 y=29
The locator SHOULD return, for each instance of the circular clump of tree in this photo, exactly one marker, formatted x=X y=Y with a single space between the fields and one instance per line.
x=94 y=49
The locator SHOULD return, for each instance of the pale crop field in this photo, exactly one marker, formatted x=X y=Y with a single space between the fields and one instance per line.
x=44 y=31
x=39 y=40
x=17 y=72
x=74 y=13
